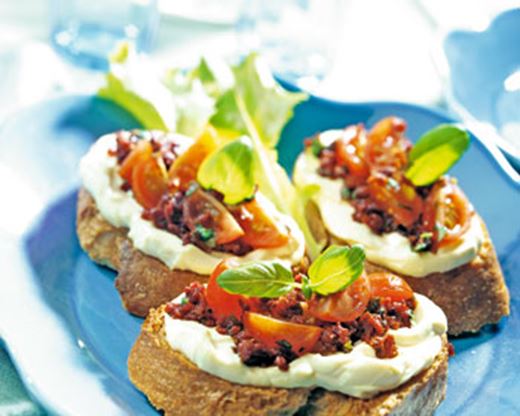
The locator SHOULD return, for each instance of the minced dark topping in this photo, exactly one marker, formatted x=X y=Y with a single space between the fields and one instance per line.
x=371 y=327
x=193 y=223
x=372 y=166
x=172 y=214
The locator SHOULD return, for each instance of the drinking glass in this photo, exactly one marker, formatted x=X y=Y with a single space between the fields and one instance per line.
x=297 y=37
x=87 y=31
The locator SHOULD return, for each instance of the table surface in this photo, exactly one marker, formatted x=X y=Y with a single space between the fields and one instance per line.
x=23 y=46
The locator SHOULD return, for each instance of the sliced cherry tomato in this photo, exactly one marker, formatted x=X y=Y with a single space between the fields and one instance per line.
x=447 y=213
x=350 y=152
x=344 y=306
x=142 y=151
x=261 y=231
x=387 y=146
x=221 y=302
x=388 y=285
x=149 y=181
x=184 y=169
x=203 y=209
x=270 y=330
x=398 y=198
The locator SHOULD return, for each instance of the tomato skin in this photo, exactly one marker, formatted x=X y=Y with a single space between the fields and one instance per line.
x=184 y=169
x=221 y=302
x=270 y=330
x=350 y=152
x=261 y=231
x=388 y=285
x=149 y=181
x=447 y=205
x=399 y=200
x=387 y=146
x=200 y=206
x=344 y=306
x=142 y=151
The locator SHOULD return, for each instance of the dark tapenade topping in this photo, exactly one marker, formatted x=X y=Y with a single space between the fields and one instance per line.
x=372 y=167
x=194 y=222
x=371 y=327
x=172 y=215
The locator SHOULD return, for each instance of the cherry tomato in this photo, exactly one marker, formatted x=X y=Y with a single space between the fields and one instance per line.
x=447 y=213
x=203 y=209
x=221 y=302
x=261 y=231
x=387 y=146
x=350 y=152
x=344 y=306
x=398 y=198
x=388 y=285
x=184 y=169
x=142 y=151
x=270 y=330
x=149 y=181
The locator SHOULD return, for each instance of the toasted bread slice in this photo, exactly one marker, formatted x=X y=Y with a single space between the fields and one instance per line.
x=471 y=295
x=175 y=385
x=143 y=281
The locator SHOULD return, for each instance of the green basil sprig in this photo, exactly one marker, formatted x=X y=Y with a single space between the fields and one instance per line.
x=229 y=170
x=435 y=153
x=334 y=270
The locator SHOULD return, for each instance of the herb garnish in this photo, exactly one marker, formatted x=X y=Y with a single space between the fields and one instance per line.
x=229 y=170
x=334 y=270
x=435 y=153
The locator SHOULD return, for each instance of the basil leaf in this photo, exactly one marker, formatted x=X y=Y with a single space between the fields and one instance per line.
x=435 y=153
x=336 y=268
x=229 y=170
x=259 y=279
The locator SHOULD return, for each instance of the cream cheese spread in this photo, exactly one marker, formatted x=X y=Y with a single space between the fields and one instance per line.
x=391 y=250
x=358 y=373
x=100 y=177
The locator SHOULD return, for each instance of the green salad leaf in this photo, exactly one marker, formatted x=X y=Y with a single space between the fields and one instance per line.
x=256 y=101
x=336 y=268
x=302 y=197
x=132 y=84
x=214 y=74
x=260 y=279
x=229 y=170
x=435 y=153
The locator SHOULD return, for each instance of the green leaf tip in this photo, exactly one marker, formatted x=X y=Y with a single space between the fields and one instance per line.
x=435 y=153
x=229 y=171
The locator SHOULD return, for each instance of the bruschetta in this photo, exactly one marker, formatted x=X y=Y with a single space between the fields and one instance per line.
x=259 y=339
x=143 y=212
x=377 y=189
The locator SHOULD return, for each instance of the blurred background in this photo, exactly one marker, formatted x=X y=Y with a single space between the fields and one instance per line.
x=347 y=50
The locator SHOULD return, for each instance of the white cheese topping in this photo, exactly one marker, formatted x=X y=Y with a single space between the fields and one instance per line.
x=358 y=373
x=100 y=177
x=391 y=250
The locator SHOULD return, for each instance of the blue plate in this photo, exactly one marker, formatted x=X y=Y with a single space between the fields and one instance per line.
x=484 y=77
x=62 y=319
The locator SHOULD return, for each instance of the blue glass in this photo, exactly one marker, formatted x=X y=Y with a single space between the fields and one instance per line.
x=46 y=277
x=87 y=31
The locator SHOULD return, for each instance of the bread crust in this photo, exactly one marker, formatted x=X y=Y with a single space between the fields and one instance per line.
x=174 y=384
x=143 y=281
x=471 y=295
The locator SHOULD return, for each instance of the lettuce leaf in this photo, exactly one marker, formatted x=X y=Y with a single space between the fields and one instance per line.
x=134 y=84
x=268 y=106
